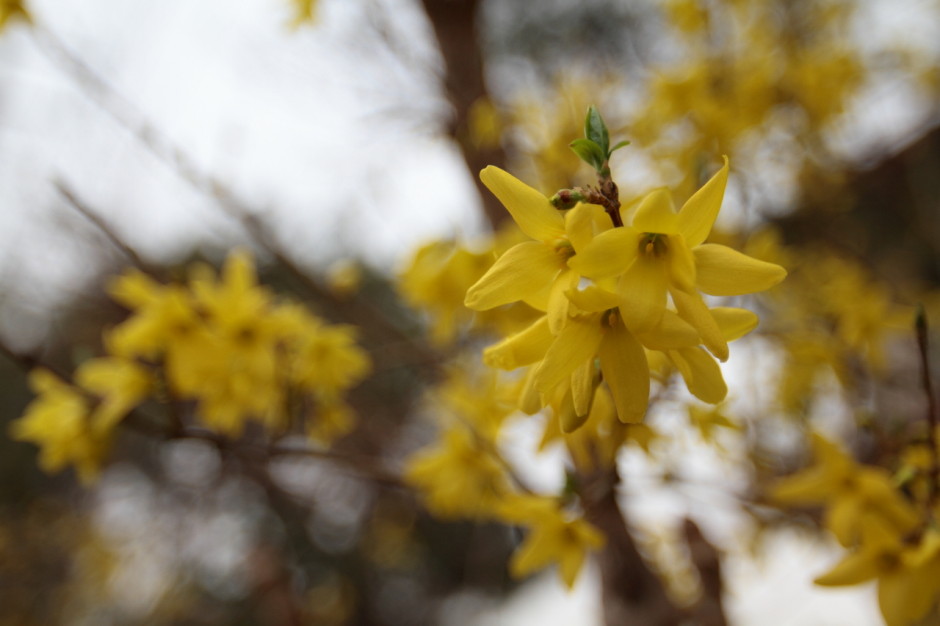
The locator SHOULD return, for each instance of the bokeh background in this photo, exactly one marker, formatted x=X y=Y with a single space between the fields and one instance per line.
x=333 y=147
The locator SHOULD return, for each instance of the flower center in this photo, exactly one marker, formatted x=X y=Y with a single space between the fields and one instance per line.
x=564 y=249
x=653 y=244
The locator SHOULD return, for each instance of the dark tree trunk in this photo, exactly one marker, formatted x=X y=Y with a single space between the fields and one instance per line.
x=455 y=25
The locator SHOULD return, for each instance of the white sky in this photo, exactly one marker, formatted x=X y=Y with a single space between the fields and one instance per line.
x=331 y=137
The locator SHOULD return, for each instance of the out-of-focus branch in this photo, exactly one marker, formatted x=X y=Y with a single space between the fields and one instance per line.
x=455 y=25
x=259 y=452
x=85 y=211
x=633 y=594
x=923 y=350
x=405 y=349
x=709 y=610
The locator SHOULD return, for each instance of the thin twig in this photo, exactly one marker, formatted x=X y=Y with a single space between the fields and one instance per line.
x=922 y=345
x=358 y=311
x=85 y=211
x=362 y=466
x=29 y=362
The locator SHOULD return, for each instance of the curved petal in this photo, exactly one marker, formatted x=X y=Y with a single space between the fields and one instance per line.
x=523 y=271
x=593 y=299
x=568 y=418
x=699 y=212
x=534 y=554
x=693 y=310
x=671 y=333
x=643 y=292
x=530 y=209
x=609 y=254
x=906 y=595
x=623 y=363
x=539 y=299
x=582 y=394
x=579 y=224
x=854 y=569
x=523 y=348
x=656 y=213
x=680 y=262
x=558 y=301
x=734 y=323
x=726 y=272
x=576 y=343
x=702 y=375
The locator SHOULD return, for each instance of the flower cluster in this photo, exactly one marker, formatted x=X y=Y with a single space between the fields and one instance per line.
x=219 y=350
x=887 y=537
x=611 y=293
x=464 y=475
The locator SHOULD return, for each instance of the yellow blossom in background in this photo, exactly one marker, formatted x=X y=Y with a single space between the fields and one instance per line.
x=304 y=12
x=119 y=385
x=10 y=9
x=344 y=278
x=485 y=125
x=462 y=474
x=852 y=494
x=459 y=476
x=437 y=280
x=908 y=572
x=707 y=420
x=221 y=348
x=58 y=421
x=554 y=537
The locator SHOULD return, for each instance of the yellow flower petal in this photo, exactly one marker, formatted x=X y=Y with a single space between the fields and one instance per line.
x=530 y=209
x=582 y=392
x=522 y=271
x=726 y=272
x=854 y=569
x=530 y=402
x=680 y=263
x=702 y=374
x=699 y=212
x=523 y=348
x=609 y=254
x=534 y=554
x=672 y=332
x=906 y=595
x=593 y=299
x=656 y=214
x=734 y=323
x=539 y=299
x=576 y=343
x=558 y=301
x=579 y=224
x=692 y=309
x=643 y=293
x=623 y=363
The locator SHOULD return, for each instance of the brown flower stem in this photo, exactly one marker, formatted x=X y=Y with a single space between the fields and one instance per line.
x=608 y=189
x=922 y=345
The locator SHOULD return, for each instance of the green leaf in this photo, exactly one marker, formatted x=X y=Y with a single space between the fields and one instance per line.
x=589 y=151
x=596 y=130
x=622 y=144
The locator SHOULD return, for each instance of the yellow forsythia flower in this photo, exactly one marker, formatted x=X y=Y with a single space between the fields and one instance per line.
x=555 y=536
x=59 y=422
x=10 y=9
